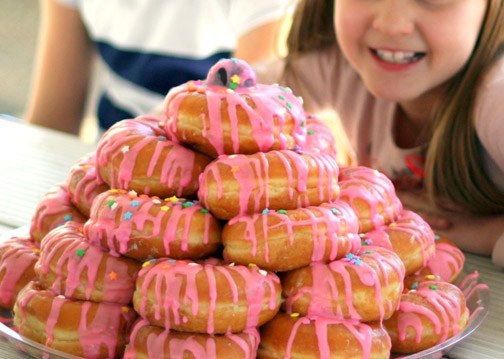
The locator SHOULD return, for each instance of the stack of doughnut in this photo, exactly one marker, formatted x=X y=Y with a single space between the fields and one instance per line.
x=226 y=229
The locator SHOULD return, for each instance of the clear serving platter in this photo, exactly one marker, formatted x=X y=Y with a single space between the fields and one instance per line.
x=477 y=296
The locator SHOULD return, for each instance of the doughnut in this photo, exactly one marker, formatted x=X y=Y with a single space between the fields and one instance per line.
x=17 y=259
x=409 y=236
x=230 y=113
x=427 y=315
x=286 y=240
x=81 y=328
x=205 y=298
x=366 y=286
x=151 y=342
x=83 y=184
x=143 y=227
x=319 y=137
x=136 y=155
x=247 y=184
x=53 y=209
x=371 y=194
x=316 y=337
x=447 y=262
x=71 y=266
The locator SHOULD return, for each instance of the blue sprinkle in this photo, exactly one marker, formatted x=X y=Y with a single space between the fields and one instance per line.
x=436 y=238
x=265 y=211
x=152 y=260
x=67 y=218
x=128 y=215
x=335 y=211
x=414 y=285
x=172 y=261
x=350 y=256
x=162 y=137
x=358 y=262
x=134 y=203
x=234 y=59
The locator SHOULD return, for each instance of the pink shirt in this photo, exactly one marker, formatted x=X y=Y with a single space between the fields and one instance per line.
x=368 y=121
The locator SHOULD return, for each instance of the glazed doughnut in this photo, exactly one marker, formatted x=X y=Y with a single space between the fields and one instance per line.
x=366 y=286
x=53 y=209
x=447 y=262
x=151 y=342
x=136 y=155
x=319 y=137
x=371 y=194
x=317 y=337
x=17 y=259
x=229 y=113
x=427 y=315
x=247 y=184
x=409 y=236
x=71 y=266
x=83 y=185
x=286 y=240
x=82 y=328
x=206 y=298
x=143 y=227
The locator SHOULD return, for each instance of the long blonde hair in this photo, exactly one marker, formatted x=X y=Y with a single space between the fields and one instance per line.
x=453 y=166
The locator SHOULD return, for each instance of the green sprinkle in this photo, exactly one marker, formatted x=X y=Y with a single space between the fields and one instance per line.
x=281 y=97
x=81 y=252
x=367 y=252
x=282 y=211
x=311 y=132
x=289 y=105
x=111 y=203
x=302 y=124
x=233 y=86
x=283 y=89
x=204 y=210
x=187 y=204
x=433 y=287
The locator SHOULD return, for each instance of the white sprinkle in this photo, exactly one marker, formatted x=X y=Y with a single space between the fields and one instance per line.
x=232 y=264
x=275 y=84
x=231 y=156
x=263 y=272
x=362 y=235
x=125 y=149
x=156 y=201
x=133 y=193
x=61 y=296
x=192 y=264
x=229 y=91
x=376 y=172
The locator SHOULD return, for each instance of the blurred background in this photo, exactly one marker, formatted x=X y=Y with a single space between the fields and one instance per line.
x=19 y=21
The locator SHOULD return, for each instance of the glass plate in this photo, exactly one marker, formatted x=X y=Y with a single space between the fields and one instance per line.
x=477 y=296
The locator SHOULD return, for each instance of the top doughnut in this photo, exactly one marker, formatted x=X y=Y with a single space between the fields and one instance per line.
x=230 y=113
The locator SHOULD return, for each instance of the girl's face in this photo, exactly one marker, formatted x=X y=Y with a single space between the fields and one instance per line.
x=404 y=49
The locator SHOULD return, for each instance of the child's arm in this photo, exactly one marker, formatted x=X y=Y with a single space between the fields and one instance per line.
x=62 y=69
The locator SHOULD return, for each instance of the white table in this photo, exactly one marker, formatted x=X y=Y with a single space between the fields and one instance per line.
x=32 y=159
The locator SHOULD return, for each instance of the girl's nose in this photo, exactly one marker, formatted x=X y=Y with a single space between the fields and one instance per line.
x=393 y=17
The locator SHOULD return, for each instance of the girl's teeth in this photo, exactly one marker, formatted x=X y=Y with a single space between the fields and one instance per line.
x=398 y=57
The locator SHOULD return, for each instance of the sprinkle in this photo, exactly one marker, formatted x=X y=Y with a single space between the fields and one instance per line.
x=165 y=208
x=252 y=265
x=132 y=194
x=134 y=203
x=392 y=224
x=263 y=272
x=187 y=204
x=235 y=169
x=125 y=309
x=232 y=264
x=376 y=172
x=298 y=149
x=162 y=138
x=61 y=296
x=311 y=132
x=128 y=215
x=172 y=261
x=437 y=238
x=282 y=211
x=145 y=264
x=281 y=97
x=81 y=229
x=86 y=167
x=295 y=315
x=350 y=256
x=166 y=266
x=112 y=275
x=111 y=203
x=430 y=276
x=235 y=78
x=36 y=251
x=231 y=156
x=113 y=191
x=252 y=90
x=125 y=149
x=289 y=105
x=192 y=264
x=335 y=211
x=233 y=86
x=191 y=88
x=282 y=89
x=172 y=199
x=67 y=218
x=204 y=210
x=367 y=252
x=265 y=211
x=113 y=206
x=414 y=285
x=368 y=241
x=156 y=201
x=358 y=262
x=433 y=287
x=302 y=124
x=234 y=59
x=122 y=191
x=81 y=252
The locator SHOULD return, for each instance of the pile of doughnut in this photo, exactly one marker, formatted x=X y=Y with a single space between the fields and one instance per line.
x=226 y=229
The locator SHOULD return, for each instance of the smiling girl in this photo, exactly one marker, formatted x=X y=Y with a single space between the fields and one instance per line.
x=418 y=88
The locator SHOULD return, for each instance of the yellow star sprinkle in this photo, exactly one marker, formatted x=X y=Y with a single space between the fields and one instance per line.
x=294 y=315
x=113 y=191
x=252 y=265
x=235 y=78
x=430 y=276
x=165 y=208
x=112 y=275
x=172 y=199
